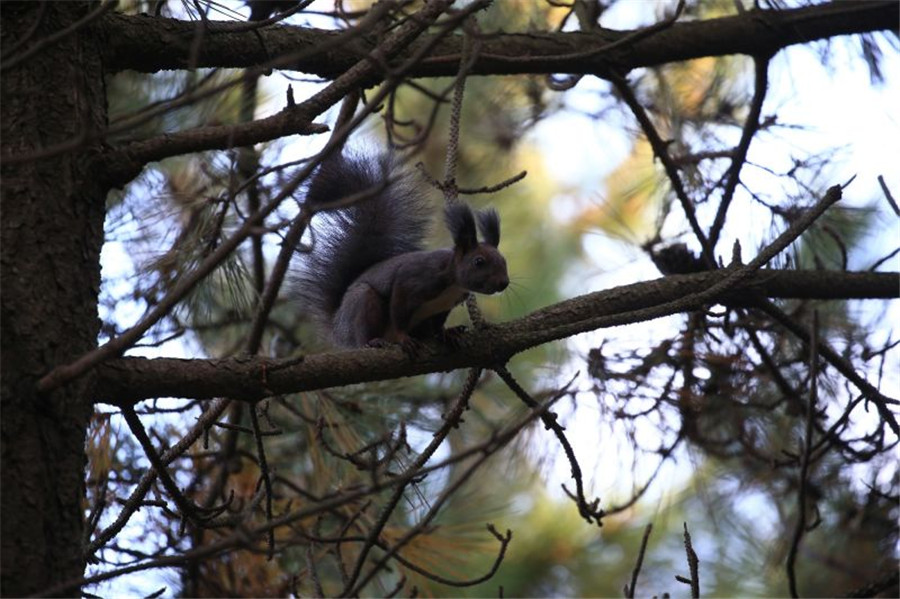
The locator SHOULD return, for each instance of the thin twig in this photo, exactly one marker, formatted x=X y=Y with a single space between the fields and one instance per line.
x=133 y=503
x=736 y=275
x=452 y=419
x=636 y=495
x=842 y=365
x=629 y=590
x=751 y=126
x=319 y=506
x=501 y=554
x=888 y=196
x=883 y=259
x=805 y=455
x=314 y=570
x=589 y=510
x=661 y=151
x=450 y=491
x=493 y=188
x=188 y=509
x=266 y=478
x=693 y=564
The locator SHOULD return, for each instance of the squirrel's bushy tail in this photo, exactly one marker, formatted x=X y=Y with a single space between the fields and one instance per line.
x=390 y=219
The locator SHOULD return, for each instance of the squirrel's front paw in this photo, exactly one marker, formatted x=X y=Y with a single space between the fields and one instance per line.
x=453 y=336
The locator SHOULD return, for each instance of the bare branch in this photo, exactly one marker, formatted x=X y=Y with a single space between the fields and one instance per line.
x=805 y=452
x=888 y=195
x=150 y=45
x=128 y=380
x=661 y=151
x=693 y=564
x=629 y=590
x=751 y=126
x=451 y=420
x=839 y=362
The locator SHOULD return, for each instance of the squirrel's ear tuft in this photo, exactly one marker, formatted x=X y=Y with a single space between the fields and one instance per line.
x=461 y=224
x=489 y=225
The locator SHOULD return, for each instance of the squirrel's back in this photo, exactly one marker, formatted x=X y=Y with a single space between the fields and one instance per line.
x=390 y=218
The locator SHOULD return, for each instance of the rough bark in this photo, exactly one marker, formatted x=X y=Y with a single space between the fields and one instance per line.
x=128 y=380
x=52 y=230
x=148 y=44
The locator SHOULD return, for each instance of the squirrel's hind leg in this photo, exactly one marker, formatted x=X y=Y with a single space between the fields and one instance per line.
x=361 y=317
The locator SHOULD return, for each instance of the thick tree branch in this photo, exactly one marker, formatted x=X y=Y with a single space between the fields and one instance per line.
x=149 y=44
x=122 y=164
x=126 y=380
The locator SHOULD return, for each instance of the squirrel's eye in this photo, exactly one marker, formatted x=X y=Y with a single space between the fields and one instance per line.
x=478 y=261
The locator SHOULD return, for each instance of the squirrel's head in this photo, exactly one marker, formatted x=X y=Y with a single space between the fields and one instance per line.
x=479 y=266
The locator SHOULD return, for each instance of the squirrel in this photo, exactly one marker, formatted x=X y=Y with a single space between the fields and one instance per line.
x=367 y=280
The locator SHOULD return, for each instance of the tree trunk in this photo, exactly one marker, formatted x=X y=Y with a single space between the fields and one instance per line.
x=52 y=230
